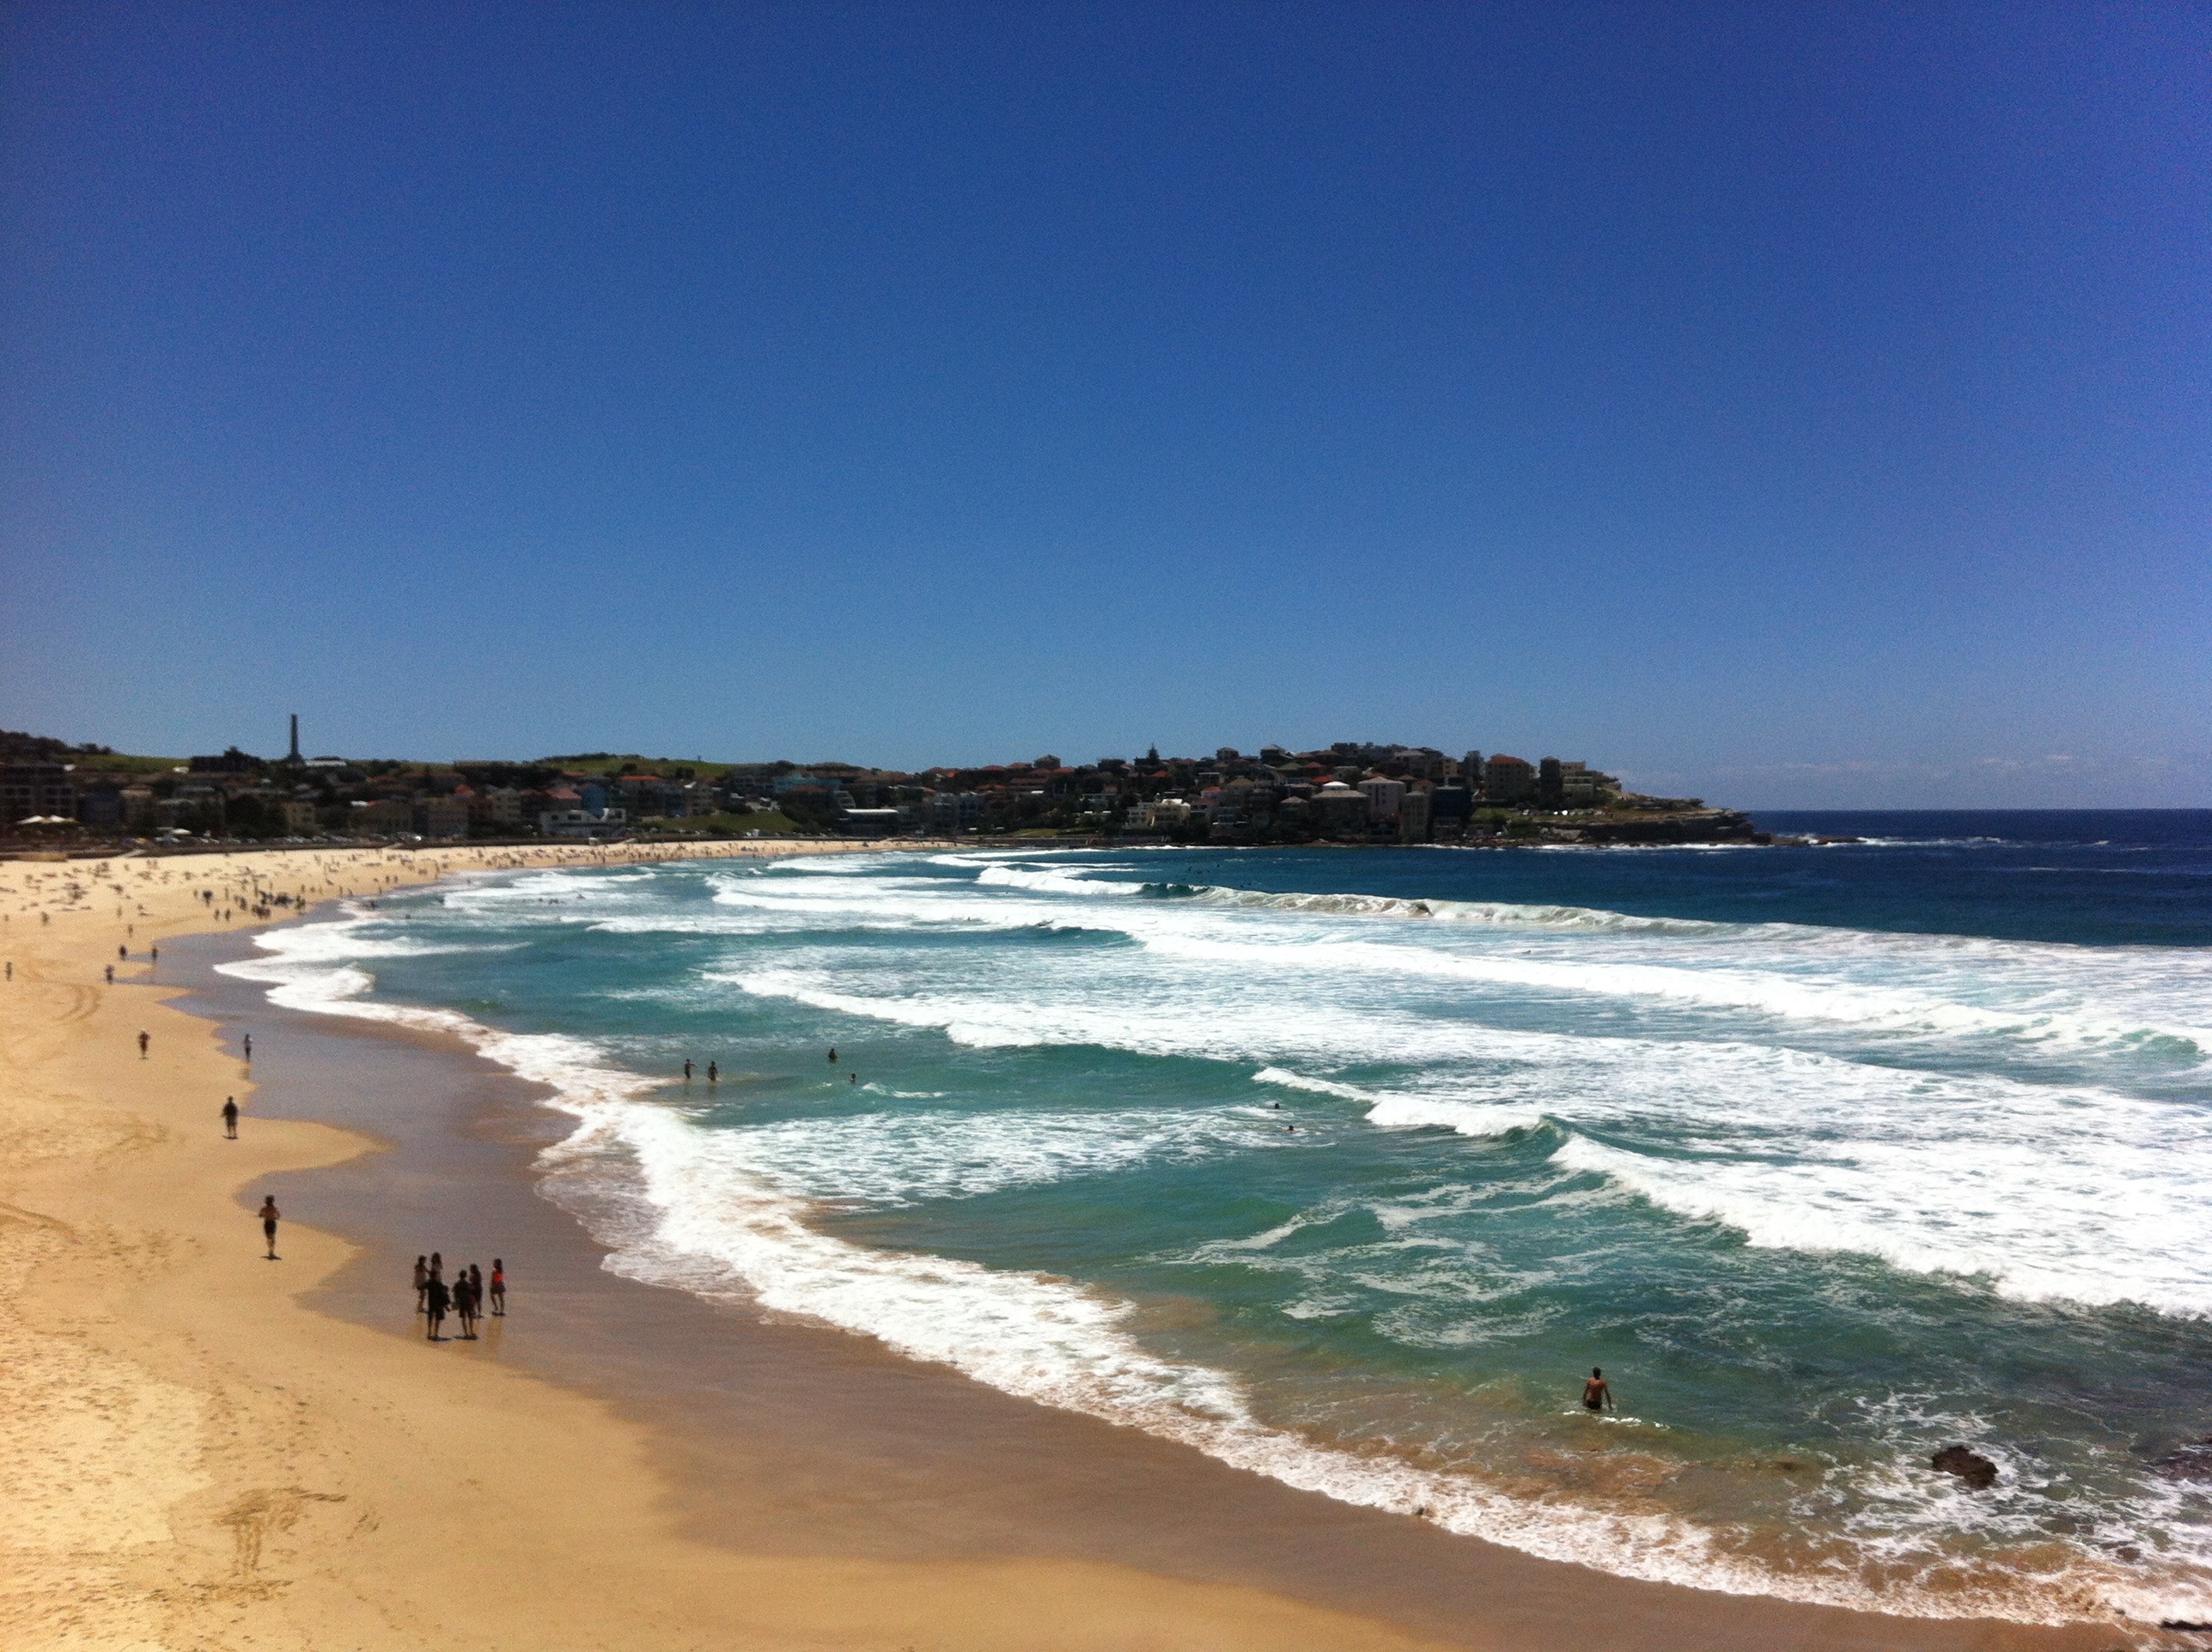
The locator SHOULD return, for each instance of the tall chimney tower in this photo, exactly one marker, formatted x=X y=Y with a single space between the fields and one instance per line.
x=295 y=758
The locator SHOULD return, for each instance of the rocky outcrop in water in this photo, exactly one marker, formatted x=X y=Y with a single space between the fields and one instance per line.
x=2191 y=1462
x=1683 y=826
x=1970 y=1466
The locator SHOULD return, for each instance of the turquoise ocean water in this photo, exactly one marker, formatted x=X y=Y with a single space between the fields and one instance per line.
x=1830 y=1156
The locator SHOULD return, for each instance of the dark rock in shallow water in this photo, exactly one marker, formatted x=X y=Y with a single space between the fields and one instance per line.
x=2193 y=1461
x=1970 y=1466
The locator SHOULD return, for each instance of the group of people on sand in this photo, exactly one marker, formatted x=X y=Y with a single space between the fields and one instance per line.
x=466 y=1298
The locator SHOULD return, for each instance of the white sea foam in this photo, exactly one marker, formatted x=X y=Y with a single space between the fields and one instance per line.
x=1289 y=1080
x=1467 y=1118
x=1047 y=880
x=1400 y=1111
x=2087 y=1223
x=891 y=1159
x=2075 y=1193
x=310 y=968
x=838 y=866
x=922 y=903
x=1758 y=991
x=1498 y=913
x=1149 y=1023
x=2145 y=1003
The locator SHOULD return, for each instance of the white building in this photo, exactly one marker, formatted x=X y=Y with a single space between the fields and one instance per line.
x=1384 y=797
x=1414 y=822
x=583 y=822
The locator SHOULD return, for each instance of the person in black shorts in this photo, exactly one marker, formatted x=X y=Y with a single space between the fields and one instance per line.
x=1597 y=1392
x=230 y=1117
x=269 y=1217
x=464 y=1305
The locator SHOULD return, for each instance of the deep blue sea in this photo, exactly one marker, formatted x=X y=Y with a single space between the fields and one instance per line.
x=1347 y=1166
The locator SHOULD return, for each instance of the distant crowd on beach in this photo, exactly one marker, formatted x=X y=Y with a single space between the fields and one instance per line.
x=465 y=1297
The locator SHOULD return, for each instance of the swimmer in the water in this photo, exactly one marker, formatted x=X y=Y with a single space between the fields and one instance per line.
x=1597 y=1392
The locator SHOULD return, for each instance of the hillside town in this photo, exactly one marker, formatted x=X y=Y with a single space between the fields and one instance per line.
x=1350 y=793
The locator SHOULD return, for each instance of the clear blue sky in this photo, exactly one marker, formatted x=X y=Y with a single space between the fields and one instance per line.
x=1791 y=404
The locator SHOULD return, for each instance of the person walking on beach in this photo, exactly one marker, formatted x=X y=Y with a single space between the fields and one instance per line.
x=421 y=1282
x=230 y=1118
x=1597 y=1392
x=269 y=1217
x=498 y=1288
x=111 y=975
x=123 y=954
x=145 y=1038
x=249 y=1047
x=435 y=1303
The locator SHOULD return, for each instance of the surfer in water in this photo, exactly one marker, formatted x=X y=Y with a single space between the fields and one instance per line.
x=1597 y=1392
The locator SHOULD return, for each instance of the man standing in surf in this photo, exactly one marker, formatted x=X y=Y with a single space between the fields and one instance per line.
x=1597 y=1392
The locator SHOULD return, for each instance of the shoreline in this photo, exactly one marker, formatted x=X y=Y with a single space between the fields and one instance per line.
x=931 y=1548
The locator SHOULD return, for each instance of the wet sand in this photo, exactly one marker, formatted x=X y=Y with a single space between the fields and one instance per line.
x=789 y=1439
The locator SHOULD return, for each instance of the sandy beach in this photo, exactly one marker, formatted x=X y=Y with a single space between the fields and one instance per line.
x=203 y=1449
